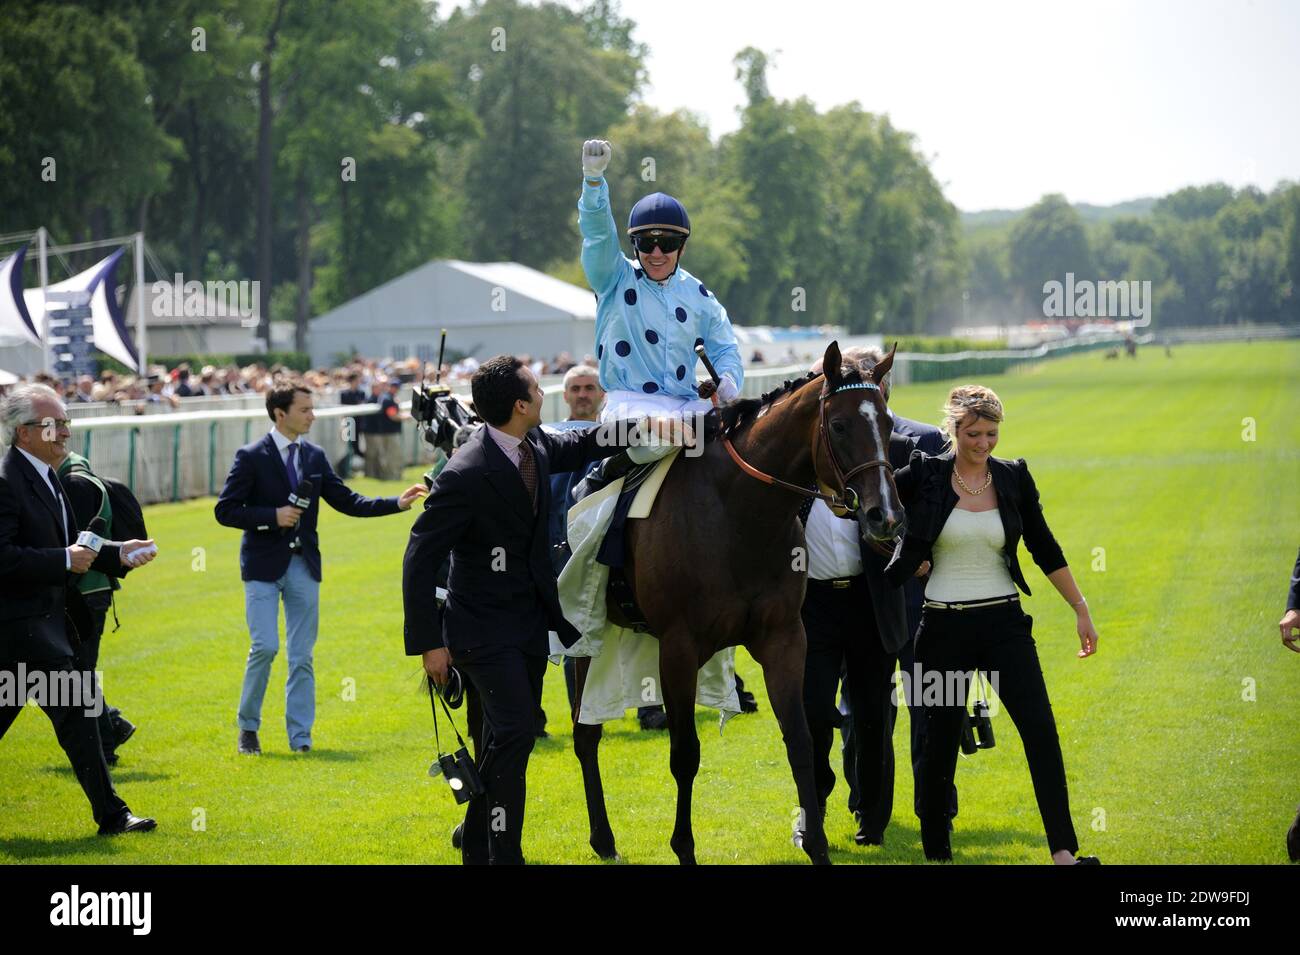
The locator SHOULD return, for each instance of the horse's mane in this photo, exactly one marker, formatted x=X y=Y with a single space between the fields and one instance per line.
x=741 y=411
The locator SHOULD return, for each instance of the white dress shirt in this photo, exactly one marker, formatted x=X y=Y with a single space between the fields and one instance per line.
x=508 y=444
x=282 y=445
x=833 y=548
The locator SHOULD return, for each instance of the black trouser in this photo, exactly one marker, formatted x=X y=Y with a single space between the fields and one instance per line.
x=999 y=641
x=842 y=634
x=77 y=732
x=876 y=817
x=509 y=689
x=88 y=659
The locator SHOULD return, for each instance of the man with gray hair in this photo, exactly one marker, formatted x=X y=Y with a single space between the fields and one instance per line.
x=42 y=613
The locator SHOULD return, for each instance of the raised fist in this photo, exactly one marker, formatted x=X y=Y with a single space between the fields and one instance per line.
x=595 y=157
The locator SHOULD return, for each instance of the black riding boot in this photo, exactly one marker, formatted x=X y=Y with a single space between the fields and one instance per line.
x=608 y=470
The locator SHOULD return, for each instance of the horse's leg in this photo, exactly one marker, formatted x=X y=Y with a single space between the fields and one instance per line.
x=586 y=742
x=678 y=673
x=782 y=658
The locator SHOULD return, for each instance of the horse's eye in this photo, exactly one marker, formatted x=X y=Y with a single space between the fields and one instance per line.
x=838 y=427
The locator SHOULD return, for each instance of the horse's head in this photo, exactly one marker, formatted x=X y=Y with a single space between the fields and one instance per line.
x=851 y=453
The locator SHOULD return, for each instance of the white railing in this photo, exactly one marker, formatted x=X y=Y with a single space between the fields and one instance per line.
x=174 y=455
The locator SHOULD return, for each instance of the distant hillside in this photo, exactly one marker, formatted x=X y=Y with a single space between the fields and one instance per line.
x=1090 y=213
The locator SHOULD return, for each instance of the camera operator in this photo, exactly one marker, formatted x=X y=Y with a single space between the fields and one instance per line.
x=42 y=614
x=273 y=494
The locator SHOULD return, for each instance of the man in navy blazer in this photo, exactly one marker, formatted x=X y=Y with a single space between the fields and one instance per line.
x=273 y=494
x=489 y=510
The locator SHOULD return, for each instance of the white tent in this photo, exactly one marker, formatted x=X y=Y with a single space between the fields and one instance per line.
x=488 y=308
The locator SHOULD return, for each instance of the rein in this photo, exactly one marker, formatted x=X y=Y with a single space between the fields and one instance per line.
x=849 y=501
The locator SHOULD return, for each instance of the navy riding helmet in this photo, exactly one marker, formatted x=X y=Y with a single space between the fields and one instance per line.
x=657 y=215
x=658 y=212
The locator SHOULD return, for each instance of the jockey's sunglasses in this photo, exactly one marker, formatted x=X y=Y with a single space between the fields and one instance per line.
x=644 y=242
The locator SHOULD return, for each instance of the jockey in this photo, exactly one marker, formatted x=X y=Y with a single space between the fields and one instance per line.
x=651 y=315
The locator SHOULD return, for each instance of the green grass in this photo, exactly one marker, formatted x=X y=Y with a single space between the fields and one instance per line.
x=1144 y=459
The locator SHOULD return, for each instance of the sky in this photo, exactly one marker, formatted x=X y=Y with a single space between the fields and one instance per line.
x=1102 y=101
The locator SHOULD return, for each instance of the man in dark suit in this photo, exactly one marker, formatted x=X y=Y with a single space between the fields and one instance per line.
x=41 y=611
x=279 y=557
x=874 y=818
x=844 y=573
x=489 y=510
x=1289 y=626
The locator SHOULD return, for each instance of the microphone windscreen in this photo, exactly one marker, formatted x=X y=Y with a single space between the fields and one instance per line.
x=304 y=488
x=98 y=527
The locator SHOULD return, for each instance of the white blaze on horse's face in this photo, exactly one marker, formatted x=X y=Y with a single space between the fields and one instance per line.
x=868 y=410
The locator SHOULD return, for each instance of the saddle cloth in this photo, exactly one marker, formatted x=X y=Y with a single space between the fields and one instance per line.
x=624 y=670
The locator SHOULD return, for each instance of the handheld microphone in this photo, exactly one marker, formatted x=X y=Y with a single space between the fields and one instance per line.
x=301 y=498
x=92 y=536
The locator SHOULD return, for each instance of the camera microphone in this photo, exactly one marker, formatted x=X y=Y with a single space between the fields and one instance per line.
x=92 y=537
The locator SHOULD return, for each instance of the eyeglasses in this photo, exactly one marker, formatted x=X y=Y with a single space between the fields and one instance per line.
x=59 y=423
x=645 y=242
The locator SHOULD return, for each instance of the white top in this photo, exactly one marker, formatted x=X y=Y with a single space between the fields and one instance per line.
x=833 y=548
x=968 y=561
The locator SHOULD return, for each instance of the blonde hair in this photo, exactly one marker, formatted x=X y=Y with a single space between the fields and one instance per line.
x=964 y=401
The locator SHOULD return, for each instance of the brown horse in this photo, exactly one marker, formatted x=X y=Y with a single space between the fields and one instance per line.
x=720 y=562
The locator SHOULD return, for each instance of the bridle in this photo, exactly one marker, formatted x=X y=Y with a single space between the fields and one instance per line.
x=847 y=498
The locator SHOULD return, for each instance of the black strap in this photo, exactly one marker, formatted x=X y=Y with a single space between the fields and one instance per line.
x=435 y=695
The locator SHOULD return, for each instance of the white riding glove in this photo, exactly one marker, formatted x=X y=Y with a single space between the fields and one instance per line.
x=727 y=389
x=595 y=157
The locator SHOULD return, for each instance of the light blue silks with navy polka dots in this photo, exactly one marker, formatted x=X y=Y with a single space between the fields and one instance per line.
x=646 y=333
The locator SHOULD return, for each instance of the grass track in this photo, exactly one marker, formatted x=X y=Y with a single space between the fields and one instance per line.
x=1140 y=462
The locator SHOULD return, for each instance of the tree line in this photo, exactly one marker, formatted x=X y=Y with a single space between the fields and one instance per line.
x=324 y=148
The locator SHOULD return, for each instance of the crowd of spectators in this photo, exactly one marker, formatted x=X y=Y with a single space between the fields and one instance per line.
x=170 y=387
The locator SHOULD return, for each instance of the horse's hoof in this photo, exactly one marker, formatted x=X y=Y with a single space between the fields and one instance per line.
x=820 y=858
x=605 y=849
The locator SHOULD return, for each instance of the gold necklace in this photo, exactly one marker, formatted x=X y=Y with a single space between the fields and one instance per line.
x=988 y=479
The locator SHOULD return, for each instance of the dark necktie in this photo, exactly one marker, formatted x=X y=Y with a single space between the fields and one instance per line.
x=58 y=499
x=528 y=470
x=291 y=468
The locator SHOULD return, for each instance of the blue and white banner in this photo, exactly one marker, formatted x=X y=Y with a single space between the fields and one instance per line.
x=15 y=317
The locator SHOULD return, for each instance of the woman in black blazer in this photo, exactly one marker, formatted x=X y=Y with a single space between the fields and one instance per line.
x=966 y=513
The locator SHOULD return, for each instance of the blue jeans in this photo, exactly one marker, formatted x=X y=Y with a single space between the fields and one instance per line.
x=301 y=594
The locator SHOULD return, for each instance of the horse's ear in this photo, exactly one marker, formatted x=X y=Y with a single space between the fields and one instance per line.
x=831 y=365
x=882 y=368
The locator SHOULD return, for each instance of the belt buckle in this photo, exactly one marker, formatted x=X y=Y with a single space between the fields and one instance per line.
x=956 y=606
x=840 y=584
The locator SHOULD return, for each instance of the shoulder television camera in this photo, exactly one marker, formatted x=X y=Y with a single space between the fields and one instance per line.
x=437 y=411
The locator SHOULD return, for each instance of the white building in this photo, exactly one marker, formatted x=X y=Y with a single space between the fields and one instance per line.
x=488 y=308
